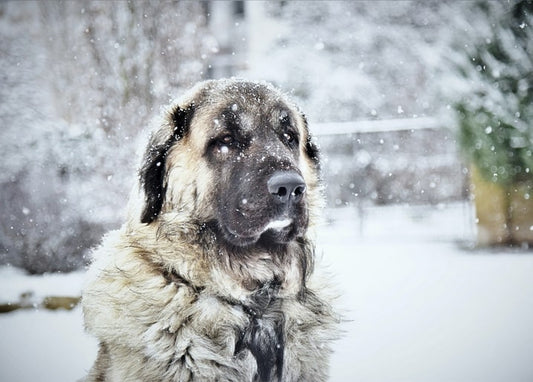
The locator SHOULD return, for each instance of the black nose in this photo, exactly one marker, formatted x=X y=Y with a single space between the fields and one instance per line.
x=286 y=186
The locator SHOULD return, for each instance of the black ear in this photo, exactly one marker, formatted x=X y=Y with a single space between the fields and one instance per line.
x=152 y=173
x=311 y=149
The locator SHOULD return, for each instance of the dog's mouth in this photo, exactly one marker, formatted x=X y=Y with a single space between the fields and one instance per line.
x=274 y=231
x=278 y=225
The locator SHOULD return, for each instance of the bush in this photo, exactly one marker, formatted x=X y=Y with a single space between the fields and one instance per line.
x=41 y=230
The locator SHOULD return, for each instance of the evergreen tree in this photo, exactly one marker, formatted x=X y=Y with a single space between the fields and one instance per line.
x=496 y=111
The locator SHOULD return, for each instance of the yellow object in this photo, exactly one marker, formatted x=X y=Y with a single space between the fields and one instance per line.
x=491 y=207
x=522 y=213
x=504 y=214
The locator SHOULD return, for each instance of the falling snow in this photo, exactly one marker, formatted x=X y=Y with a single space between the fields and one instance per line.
x=78 y=97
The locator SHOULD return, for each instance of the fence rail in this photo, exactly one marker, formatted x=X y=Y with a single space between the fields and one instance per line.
x=390 y=161
x=376 y=126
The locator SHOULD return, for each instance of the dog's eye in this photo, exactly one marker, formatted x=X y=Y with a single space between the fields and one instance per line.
x=226 y=140
x=224 y=143
x=289 y=137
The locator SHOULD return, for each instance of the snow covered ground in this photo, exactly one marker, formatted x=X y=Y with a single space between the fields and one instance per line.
x=422 y=305
x=425 y=307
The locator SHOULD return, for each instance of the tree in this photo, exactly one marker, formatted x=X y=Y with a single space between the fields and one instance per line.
x=352 y=60
x=81 y=81
x=496 y=115
x=495 y=111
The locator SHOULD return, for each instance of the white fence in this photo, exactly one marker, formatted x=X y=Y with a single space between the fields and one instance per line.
x=390 y=161
x=376 y=126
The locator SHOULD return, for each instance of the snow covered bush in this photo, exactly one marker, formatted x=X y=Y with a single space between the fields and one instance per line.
x=41 y=231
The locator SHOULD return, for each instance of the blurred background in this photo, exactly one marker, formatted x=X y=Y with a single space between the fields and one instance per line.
x=424 y=114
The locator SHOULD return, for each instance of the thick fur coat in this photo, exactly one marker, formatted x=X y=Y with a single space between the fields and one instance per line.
x=211 y=276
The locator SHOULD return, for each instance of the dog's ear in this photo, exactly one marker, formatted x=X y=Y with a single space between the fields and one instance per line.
x=311 y=148
x=152 y=172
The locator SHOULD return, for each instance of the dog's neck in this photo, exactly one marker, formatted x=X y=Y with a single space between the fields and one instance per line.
x=229 y=271
x=284 y=265
x=234 y=273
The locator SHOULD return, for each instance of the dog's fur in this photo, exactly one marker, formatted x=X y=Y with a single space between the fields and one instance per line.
x=210 y=277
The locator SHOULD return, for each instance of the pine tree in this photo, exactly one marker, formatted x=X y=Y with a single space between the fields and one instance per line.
x=496 y=115
x=496 y=121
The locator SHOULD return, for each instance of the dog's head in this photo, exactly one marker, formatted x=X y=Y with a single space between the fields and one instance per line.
x=237 y=156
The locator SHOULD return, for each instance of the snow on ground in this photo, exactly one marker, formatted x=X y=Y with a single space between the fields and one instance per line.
x=14 y=282
x=41 y=345
x=44 y=346
x=425 y=307
x=422 y=305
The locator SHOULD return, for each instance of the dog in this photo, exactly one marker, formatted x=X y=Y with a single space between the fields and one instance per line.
x=211 y=276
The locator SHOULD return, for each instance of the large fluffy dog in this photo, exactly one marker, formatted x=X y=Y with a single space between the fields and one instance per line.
x=210 y=277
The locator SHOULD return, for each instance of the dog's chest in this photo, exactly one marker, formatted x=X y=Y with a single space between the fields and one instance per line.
x=264 y=336
x=229 y=331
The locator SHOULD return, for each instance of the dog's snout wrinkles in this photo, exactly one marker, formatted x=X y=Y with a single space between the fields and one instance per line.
x=286 y=186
